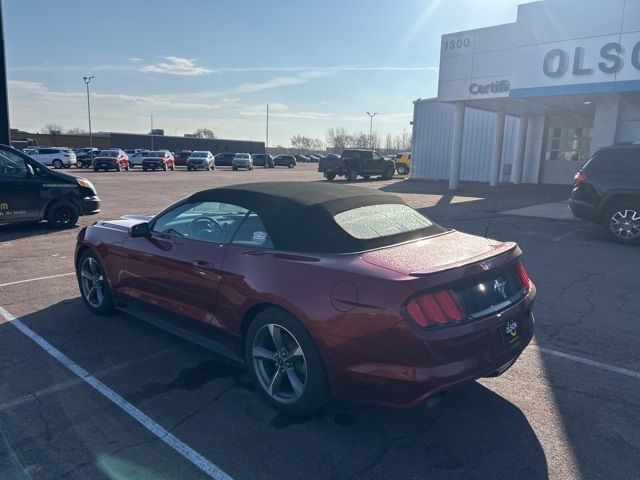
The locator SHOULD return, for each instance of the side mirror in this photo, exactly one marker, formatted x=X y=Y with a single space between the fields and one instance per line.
x=140 y=230
x=30 y=172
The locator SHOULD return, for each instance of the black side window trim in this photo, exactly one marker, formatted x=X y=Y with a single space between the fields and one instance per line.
x=233 y=237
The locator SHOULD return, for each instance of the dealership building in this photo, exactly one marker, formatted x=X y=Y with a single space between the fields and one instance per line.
x=526 y=102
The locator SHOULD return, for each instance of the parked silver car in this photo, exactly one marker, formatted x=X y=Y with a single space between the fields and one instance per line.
x=201 y=159
x=242 y=160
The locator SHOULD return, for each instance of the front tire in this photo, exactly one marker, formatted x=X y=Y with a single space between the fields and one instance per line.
x=622 y=223
x=291 y=165
x=284 y=363
x=388 y=173
x=402 y=170
x=94 y=287
x=62 y=214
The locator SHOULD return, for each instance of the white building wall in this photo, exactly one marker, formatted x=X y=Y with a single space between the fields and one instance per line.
x=432 y=136
x=629 y=120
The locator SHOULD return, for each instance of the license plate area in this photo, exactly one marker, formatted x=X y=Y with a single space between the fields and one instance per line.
x=510 y=333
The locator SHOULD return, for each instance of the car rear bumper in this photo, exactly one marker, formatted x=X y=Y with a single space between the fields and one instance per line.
x=90 y=205
x=397 y=368
x=104 y=164
x=583 y=210
x=153 y=164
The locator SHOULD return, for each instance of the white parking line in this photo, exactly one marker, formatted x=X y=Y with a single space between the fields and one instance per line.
x=35 y=279
x=172 y=441
x=592 y=363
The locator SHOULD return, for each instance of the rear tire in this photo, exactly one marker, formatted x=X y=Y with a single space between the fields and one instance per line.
x=281 y=355
x=91 y=274
x=402 y=170
x=291 y=165
x=57 y=163
x=62 y=214
x=622 y=223
x=388 y=173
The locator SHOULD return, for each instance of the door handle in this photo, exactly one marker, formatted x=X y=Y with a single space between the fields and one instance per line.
x=203 y=264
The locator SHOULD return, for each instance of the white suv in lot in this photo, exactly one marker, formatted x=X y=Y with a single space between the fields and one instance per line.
x=54 y=156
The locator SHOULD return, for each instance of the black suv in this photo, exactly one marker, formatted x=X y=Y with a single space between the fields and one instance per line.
x=30 y=192
x=606 y=191
x=353 y=163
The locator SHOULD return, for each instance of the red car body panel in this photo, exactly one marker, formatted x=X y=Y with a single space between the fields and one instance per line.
x=158 y=162
x=353 y=305
x=121 y=161
x=181 y=158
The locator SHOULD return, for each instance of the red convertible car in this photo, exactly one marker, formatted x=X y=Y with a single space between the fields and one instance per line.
x=318 y=289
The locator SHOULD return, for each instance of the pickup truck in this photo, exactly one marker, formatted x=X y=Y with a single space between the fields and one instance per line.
x=355 y=162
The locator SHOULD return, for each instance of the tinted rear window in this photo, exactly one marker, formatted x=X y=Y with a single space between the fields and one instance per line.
x=618 y=161
x=377 y=221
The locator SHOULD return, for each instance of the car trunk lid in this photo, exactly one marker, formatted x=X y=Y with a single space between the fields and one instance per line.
x=482 y=273
x=447 y=251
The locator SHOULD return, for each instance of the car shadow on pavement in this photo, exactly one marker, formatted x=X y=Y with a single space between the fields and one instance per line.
x=209 y=404
x=26 y=230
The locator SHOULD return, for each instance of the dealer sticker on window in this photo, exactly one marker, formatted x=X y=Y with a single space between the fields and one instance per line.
x=259 y=237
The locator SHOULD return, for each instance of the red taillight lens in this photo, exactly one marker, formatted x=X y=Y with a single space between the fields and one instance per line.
x=341 y=162
x=523 y=275
x=438 y=308
x=579 y=178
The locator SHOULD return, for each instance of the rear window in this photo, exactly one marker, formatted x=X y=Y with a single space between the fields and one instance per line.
x=617 y=161
x=377 y=221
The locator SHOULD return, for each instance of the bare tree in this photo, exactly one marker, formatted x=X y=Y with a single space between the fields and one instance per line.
x=204 y=133
x=338 y=138
x=52 y=128
x=75 y=131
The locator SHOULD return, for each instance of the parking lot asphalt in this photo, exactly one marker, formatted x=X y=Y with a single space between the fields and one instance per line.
x=569 y=408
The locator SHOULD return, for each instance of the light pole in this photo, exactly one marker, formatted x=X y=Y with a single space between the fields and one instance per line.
x=5 y=135
x=87 y=81
x=266 y=146
x=371 y=115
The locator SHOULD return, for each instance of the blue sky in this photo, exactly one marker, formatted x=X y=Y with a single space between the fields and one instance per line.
x=217 y=63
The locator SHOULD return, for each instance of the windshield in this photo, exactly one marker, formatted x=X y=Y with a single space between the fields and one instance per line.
x=109 y=153
x=243 y=156
x=377 y=221
x=198 y=154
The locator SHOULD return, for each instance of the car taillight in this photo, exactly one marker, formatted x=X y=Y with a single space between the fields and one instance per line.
x=580 y=177
x=341 y=162
x=439 y=308
x=523 y=276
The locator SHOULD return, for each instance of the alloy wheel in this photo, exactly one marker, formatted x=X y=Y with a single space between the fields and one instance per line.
x=279 y=363
x=92 y=281
x=625 y=224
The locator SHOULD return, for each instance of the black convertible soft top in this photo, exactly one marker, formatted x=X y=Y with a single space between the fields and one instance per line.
x=298 y=216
